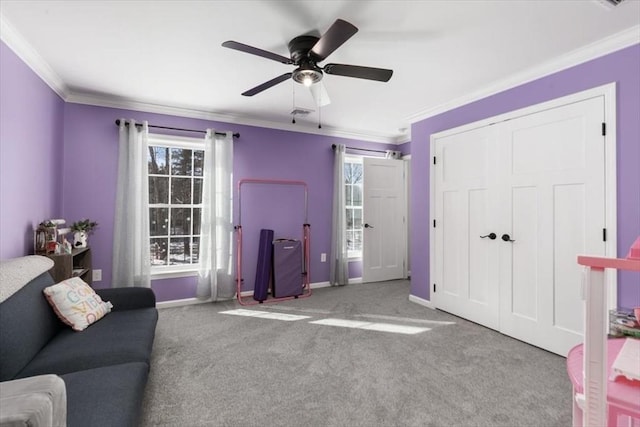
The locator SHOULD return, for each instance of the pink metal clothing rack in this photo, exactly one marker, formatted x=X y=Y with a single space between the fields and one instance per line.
x=305 y=235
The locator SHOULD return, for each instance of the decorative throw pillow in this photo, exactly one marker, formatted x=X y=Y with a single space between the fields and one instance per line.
x=76 y=304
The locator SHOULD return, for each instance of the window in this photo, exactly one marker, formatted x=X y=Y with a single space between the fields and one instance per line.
x=175 y=202
x=353 y=176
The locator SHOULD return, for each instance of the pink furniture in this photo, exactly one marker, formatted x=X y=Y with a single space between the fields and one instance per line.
x=596 y=350
x=623 y=395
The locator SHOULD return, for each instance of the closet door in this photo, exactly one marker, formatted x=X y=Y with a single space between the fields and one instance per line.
x=551 y=208
x=466 y=269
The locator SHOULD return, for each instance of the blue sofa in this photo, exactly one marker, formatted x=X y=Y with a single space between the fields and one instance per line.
x=104 y=368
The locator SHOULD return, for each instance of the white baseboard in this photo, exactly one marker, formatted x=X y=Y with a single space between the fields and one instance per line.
x=192 y=301
x=318 y=285
x=422 y=301
x=356 y=280
x=180 y=302
x=313 y=286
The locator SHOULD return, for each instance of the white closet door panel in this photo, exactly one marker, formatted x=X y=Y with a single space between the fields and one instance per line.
x=553 y=199
x=569 y=240
x=525 y=283
x=465 y=264
x=479 y=256
x=453 y=241
x=549 y=147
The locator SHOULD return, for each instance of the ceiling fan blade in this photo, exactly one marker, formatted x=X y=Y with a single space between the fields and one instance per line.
x=255 y=51
x=267 y=85
x=369 y=73
x=336 y=35
x=319 y=93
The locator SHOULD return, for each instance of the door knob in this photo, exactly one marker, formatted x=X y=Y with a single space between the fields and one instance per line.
x=368 y=226
x=507 y=238
x=492 y=236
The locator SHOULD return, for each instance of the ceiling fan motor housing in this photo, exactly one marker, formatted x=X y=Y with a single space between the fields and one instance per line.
x=307 y=70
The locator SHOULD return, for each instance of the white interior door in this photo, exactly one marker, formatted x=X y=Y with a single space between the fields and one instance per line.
x=466 y=262
x=383 y=206
x=552 y=206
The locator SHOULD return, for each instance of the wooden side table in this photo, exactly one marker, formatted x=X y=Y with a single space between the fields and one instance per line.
x=75 y=264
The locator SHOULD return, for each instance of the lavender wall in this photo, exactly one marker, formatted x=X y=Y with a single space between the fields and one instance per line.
x=622 y=67
x=30 y=154
x=90 y=150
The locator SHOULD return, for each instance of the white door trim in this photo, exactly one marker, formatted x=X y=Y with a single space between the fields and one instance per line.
x=608 y=92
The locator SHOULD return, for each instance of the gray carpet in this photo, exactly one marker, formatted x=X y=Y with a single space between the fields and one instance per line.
x=212 y=369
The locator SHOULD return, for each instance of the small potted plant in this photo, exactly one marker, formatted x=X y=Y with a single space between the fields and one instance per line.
x=81 y=230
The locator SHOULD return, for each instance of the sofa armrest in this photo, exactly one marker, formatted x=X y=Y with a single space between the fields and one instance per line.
x=39 y=401
x=128 y=298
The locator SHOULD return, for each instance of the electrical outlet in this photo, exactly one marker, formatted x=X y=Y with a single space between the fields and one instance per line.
x=96 y=275
x=323 y=257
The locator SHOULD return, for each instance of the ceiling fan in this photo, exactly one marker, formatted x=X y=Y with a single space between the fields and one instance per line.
x=306 y=51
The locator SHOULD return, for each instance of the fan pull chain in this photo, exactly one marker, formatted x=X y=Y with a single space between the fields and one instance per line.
x=293 y=102
x=320 y=116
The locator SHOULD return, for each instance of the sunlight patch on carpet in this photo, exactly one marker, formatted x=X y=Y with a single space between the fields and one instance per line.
x=265 y=315
x=370 y=326
x=404 y=319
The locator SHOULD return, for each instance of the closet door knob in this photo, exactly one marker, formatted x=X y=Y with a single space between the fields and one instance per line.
x=507 y=238
x=492 y=236
x=368 y=226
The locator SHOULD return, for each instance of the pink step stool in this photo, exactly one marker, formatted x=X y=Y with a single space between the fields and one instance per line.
x=623 y=395
x=598 y=401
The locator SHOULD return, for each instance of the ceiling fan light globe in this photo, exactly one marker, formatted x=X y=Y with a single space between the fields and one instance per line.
x=307 y=76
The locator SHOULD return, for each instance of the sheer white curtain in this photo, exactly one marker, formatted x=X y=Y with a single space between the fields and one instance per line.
x=131 y=261
x=339 y=269
x=215 y=279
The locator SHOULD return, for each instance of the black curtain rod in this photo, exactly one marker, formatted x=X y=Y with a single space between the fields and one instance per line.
x=333 y=146
x=235 y=134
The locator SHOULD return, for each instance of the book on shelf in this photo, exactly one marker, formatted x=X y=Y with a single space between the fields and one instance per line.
x=622 y=323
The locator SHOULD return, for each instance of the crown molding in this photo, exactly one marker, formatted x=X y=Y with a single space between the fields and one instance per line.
x=18 y=44
x=101 y=100
x=618 y=41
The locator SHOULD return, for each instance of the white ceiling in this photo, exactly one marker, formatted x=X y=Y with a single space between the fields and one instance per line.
x=166 y=56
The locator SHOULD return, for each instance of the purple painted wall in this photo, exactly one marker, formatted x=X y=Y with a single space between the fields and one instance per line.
x=31 y=161
x=622 y=67
x=405 y=148
x=90 y=151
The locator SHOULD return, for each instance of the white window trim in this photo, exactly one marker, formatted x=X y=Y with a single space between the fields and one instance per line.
x=184 y=270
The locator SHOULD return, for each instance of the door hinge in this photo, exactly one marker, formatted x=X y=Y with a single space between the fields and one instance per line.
x=604 y=128
x=434 y=160
x=434 y=223
x=604 y=234
x=434 y=287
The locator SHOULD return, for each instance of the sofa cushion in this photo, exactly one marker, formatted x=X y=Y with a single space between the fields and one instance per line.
x=120 y=337
x=76 y=304
x=27 y=323
x=128 y=298
x=107 y=396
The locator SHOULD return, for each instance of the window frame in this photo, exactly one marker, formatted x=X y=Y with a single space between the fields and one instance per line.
x=181 y=142
x=354 y=255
